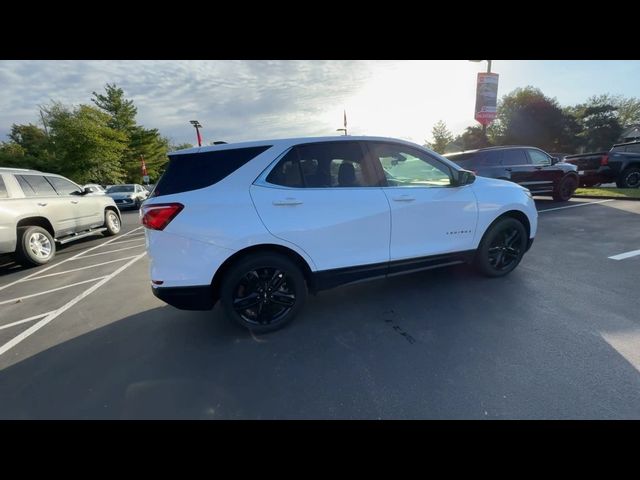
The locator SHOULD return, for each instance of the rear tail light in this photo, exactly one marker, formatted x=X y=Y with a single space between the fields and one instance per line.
x=604 y=160
x=158 y=216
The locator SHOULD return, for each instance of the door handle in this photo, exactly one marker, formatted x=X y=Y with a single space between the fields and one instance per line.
x=42 y=204
x=403 y=198
x=538 y=168
x=74 y=201
x=508 y=169
x=287 y=201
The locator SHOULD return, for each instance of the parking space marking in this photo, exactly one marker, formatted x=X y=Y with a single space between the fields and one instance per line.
x=574 y=206
x=30 y=319
x=56 y=313
x=622 y=256
x=14 y=300
x=110 y=251
x=126 y=241
x=78 y=269
x=67 y=260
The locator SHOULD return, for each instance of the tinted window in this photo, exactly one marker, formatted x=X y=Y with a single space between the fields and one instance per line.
x=539 y=158
x=514 y=157
x=63 y=186
x=465 y=160
x=633 y=148
x=35 y=186
x=192 y=171
x=492 y=158
x=406 y=167
x=120 y=189
x=3 y=189
x=324 y=165
x=287 y=171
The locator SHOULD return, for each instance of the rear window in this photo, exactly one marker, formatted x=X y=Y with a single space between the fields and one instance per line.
x=192 y=171
x=3 y=189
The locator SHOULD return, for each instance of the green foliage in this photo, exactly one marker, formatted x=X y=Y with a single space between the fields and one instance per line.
x=180 y=146
x=441 y=137
x=87 y=147
x=472 y=138
x=122 y=111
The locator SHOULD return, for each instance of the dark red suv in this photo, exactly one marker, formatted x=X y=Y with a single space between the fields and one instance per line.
x=530 y=167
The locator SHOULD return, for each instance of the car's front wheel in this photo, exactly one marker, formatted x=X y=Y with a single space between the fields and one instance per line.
x=35 y=246
x=501 y=248
x=263 y=292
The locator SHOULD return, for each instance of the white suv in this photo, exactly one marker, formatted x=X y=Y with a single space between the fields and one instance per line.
x=258 y=225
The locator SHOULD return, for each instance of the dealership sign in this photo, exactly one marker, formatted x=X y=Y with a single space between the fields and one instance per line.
x=486 y=98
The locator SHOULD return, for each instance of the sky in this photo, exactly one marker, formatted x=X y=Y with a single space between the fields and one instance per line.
x=240 y=100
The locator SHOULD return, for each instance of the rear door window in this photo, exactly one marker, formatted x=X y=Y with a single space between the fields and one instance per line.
x=35 y=186
x=193 y=171
x=514 y=157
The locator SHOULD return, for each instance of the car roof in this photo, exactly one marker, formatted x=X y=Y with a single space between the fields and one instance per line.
x=17 y=170
x=489 y=149
x=286 y=142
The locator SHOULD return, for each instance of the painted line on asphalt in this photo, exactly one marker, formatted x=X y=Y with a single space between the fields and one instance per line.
x=126 y=241
x=67 y=260
x=30 y=319
x=56 y=313
x=110 y=251
x=622 y=256
x=78 y=269
x=574 y=206
x=14 y=300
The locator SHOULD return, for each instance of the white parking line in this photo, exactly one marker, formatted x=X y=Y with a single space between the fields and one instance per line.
x=622 y=256
x=574 y=206
x=14 y=300
x=78 y=269
x=110 y=251
x=126 y=241
x=30 y=319
x=51 y=316
x=67 y=260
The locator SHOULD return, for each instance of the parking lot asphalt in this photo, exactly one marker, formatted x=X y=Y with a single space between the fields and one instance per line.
x=559 y=338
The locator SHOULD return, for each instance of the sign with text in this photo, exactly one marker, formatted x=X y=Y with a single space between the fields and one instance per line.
x=486 y=98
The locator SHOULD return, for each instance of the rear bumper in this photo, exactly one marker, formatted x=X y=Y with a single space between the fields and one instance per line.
x=186 y=298
x=603 y=174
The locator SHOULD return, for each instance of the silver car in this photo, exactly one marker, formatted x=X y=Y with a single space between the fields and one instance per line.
x=129 y=195
x=39 y=210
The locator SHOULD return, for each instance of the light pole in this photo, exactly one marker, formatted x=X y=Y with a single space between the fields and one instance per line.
x=197 y=126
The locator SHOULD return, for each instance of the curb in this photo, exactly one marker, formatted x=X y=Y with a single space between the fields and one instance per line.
x=606 y=197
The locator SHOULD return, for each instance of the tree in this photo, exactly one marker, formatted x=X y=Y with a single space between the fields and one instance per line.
x=122 y=111
x=600 y=126
x=141 y=142
x=87 y=148
x=180 y=146
x=441 y=137
x=472 y=138
x=29 y=147
x=527 y=117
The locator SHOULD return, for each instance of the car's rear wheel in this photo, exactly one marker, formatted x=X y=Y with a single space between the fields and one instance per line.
x=564 y=190
x=111 y=223
x=630 y=178
x=35 y=246
x=264 y=292
x=501 y=248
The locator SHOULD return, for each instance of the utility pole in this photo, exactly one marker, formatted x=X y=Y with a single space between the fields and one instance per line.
x=345 y=124
x=44 y=123
x=197 y=126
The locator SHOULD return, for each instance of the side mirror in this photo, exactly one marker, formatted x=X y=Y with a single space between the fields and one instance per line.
x=465 y=177
x=554 y=160
x=86 y=190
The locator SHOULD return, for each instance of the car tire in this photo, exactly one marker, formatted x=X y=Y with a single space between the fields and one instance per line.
x=565 y=189
x=112 y=223
x=35 y=246
x=257 y=281
x=501 y=248
x=629 y=178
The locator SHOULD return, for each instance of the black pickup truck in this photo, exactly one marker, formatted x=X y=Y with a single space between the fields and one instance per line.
x=621 y=164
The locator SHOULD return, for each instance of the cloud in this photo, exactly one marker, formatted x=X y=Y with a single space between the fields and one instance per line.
x=233 y=100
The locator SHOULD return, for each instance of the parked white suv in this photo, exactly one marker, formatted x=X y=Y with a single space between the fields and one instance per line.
x=258 y=225
x=38 y=210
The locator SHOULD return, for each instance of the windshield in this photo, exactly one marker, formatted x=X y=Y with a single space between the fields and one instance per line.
x=120 y=189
